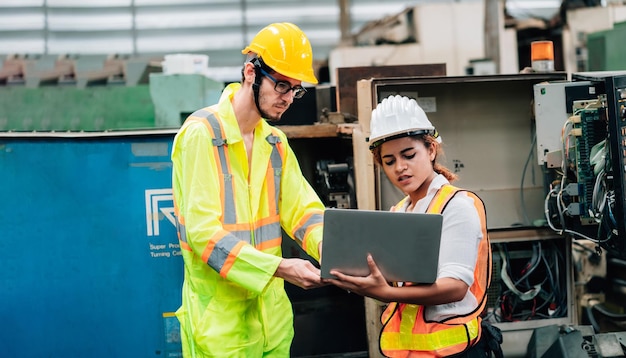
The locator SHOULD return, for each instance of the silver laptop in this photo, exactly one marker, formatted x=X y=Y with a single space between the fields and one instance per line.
x=405 y=246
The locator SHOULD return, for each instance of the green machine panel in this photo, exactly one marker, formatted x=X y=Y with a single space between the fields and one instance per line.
x=69 y=108
x=175 y=96
x=606 y=49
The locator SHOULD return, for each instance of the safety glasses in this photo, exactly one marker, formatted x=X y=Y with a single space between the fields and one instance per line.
x=284 y=87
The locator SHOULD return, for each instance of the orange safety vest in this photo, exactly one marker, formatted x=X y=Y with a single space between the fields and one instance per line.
x=407 y=333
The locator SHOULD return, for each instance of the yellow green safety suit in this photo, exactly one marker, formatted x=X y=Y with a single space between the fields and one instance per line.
x=230 y=218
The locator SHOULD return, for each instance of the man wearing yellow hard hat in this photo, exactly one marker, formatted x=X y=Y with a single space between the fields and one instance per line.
x=236 y=184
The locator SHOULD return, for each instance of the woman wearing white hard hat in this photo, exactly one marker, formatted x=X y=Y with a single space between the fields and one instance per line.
x=444 y=318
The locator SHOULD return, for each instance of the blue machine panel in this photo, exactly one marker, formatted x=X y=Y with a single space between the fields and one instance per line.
x=89 y=259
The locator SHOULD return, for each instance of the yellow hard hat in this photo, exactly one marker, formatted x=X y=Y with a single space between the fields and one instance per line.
x=286 y=49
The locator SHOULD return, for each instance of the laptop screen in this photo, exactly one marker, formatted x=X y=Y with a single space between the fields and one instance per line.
x=405 y=246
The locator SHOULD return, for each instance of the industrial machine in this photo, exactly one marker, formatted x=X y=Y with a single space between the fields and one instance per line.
x=581 y=143
x=604 y=49
x=335 y=183
x=97 y=93
x=585 y=173
x=91 y=264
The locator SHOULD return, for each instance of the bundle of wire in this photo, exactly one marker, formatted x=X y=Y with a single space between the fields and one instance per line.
x=534 y=288
x=557 y=203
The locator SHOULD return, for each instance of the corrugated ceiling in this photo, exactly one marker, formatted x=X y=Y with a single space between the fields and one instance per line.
x=218 y=28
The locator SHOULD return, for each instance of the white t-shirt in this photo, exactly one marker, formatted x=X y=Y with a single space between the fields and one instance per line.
x=460 y=236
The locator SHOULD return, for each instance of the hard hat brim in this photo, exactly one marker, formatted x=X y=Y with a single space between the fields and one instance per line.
x=375 y=142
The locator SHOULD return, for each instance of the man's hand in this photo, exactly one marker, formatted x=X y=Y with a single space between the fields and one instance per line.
x=299 y=272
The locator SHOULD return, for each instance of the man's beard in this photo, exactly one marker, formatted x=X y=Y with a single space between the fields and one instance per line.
x=266 y=115
x=269 y=118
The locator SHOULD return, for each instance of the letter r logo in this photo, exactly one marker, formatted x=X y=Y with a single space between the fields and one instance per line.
x=158 y=201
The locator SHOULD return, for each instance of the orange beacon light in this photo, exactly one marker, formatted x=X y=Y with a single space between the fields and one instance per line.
x=542 y=56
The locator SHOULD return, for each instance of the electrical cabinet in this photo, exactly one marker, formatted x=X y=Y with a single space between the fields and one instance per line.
x=488 y=132
x=553 y=105
x=532 y=285
x=327 y=321
x=586 y=194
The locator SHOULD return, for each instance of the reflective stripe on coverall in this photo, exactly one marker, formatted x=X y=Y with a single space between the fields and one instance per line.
x=407 y=333
x=232 y=305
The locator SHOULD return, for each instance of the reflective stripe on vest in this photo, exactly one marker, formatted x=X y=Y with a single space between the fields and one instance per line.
x=277 y=167
x=266 y=233
x=308 y=224
x=404 y=325
x=180 y=230
x=431 y=341
x=219 y=146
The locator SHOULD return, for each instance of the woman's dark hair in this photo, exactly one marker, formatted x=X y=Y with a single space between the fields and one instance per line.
x=428 y=141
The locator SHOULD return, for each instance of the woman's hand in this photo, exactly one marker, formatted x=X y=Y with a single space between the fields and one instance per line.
x=374 y=285
x=444 y=290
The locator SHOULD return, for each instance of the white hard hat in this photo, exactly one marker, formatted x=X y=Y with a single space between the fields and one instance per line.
x=398 y=116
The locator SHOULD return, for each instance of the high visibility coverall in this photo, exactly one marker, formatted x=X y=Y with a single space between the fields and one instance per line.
x=230 y=233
